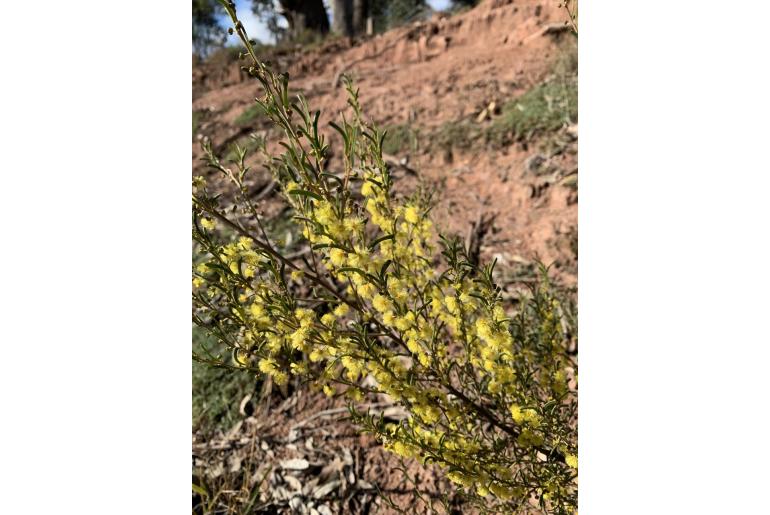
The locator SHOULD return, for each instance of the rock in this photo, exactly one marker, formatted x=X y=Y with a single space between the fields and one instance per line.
x=534 y=164
x=570 y=181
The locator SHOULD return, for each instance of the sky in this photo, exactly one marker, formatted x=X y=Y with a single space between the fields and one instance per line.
x=257 y=29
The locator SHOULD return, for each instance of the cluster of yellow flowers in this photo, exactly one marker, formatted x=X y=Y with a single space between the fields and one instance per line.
x=432 y=321
x=490 y=398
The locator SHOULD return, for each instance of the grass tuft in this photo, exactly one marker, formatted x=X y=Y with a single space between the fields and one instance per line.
x=401 y=138
x=216 y=392
x=249 y=116
x=545 y=108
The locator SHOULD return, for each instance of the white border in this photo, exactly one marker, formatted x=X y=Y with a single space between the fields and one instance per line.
x=673 y=257
x=674 y=254
x=96 y=375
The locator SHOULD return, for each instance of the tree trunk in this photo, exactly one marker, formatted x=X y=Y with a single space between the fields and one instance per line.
x=342 y=22
x=305 y=15
x=360 y=13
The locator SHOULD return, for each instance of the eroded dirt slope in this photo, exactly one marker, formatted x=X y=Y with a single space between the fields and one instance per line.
x=431 y=78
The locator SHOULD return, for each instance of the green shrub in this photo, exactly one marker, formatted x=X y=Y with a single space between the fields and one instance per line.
x=456 y=134
x=383 y=305
x=400 y=138
x=546 y=107
x=249 y=115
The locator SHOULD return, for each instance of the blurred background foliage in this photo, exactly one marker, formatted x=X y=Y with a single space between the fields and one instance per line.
x=292 y=21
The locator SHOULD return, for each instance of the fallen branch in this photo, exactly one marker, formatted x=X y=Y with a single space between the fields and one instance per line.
x=334 y=411
x=478 y=230
x=258 y=194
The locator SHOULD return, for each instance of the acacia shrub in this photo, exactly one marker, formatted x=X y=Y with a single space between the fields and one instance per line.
x=381 y=304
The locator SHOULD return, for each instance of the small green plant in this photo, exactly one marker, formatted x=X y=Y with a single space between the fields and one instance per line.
x=196 y=121
x=456 y=135
x=246 y=144
x=544 y=108
x=400 y=138
x=249 y=115
x=216 y=392
x=382 y=305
